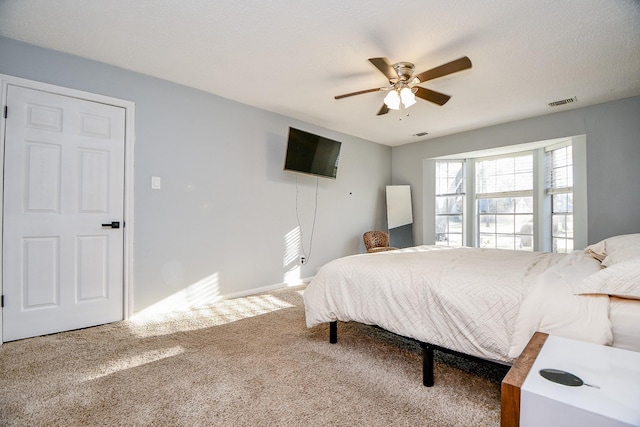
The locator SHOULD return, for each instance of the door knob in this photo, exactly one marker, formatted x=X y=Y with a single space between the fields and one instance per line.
x=114 y=224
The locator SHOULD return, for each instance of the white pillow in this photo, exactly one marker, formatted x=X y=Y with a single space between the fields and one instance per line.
x=621 y=248
x=620 y=280
x=616 y=249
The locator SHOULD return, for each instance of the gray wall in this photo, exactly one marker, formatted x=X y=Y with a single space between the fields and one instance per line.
x=612 y=133
x=226 y=206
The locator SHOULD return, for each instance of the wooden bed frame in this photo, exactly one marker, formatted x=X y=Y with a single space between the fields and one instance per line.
x=427 y=354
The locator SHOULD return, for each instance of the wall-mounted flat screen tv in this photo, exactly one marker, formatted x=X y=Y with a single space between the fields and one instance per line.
x=312 y=154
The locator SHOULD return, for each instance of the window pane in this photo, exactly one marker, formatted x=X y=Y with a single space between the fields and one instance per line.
x=523 y=181
x=569 y=226
x=523 y=164
x=454 y=204
x=505 y=174
x=562 y=167
x=441 y=240
x=455 y=224
x=561 y=161
x=487 y=240
x=524 y=224
x=526 y=242
x=562 y=245
x=560 y=178
x=488 y=223
x=455 y=239
x=559 y=202
x=559 y=226
x=562 y=203
x=512 y=222
x=449 y=202
x=506 y=242
x=506 y=224
x=487 y=206
x=523 y=204
x=504 y=205
x=449 y=177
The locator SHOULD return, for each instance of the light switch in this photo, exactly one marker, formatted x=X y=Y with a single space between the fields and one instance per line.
x=156 y=183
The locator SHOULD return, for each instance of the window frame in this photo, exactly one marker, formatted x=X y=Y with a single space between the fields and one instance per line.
x=542 y=231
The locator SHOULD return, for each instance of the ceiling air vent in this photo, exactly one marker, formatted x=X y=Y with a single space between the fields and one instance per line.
x=563 y=102
x=421 y=134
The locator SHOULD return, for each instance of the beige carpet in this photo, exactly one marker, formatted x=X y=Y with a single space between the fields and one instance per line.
x=244 y=362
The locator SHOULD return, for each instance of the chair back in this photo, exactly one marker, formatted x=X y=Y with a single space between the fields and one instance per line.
x=375 y=239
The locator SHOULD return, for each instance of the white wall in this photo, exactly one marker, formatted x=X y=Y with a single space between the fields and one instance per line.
x=219 y=224
x=612 y=133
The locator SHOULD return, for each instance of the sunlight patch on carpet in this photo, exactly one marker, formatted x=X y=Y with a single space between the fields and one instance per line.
x=132 y=361
x=153 y=323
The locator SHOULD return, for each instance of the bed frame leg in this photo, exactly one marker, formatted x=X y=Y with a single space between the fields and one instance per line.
x=427 y=364
x=333 y=332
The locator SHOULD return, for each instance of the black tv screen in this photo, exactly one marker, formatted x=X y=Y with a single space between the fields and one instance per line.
x=312 y=154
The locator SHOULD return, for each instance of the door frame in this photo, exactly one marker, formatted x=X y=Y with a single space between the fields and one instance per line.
x=129 y=140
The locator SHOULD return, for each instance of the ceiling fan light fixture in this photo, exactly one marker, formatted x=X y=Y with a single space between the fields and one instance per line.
x=392 y=100
x=407 y=96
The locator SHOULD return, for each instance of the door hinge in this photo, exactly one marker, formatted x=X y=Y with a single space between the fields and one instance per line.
x=2 y=301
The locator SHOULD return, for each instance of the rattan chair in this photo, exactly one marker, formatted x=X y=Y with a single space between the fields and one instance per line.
x=376 y=241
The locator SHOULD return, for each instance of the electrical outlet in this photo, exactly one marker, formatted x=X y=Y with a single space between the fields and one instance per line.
x=303 y=260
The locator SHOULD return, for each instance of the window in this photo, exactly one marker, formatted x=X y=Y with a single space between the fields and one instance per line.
x=560 y=188
x=525 y=197
x=504 y=196
x=450 y=193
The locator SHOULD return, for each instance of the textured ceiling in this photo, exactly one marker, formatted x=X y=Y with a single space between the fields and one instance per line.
x=292 y=56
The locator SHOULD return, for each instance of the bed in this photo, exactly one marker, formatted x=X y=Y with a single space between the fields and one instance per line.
x=485 y=303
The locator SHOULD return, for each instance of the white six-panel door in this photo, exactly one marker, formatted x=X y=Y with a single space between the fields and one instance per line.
x=64 y=179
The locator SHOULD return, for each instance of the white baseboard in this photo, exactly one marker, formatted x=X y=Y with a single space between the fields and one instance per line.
x=264 y=289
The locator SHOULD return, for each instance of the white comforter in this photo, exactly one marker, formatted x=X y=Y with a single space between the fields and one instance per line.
x=463 y=299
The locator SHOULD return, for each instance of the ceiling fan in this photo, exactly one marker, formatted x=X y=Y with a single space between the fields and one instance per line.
x=403 y=85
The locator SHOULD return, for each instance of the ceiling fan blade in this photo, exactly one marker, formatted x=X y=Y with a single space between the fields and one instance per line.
x=360 y=92
x=385 y=67
x=432 y=96
x=383 y=110
x=448 y=68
